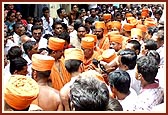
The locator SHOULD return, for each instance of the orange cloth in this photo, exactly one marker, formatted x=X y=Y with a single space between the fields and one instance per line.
x=42 y=62
x=87 y=42
x=59 y=75
x=113 y=33
x=104 y=43
x=92 y=35
x=128 y=15
x=56 y=43
x=125 y=41
x=128 y=27
x=108 y=55
x=106 y=16
x=100 y=24
x=116 y=24
x=115 y=38
x=136 y=32
x=88 y=62
x=129 y=19
x=145 y=14
x=149 y=19
x=113 y=24
x=150 y=23
x=134 y=22
x=142 y=27
x=145 y=10
x=20 y=91
x=109 y=25
x=74 y=53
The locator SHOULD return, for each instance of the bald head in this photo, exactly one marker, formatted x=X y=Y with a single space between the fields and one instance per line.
x=25 y=38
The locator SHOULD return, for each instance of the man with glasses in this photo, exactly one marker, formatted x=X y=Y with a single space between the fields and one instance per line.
x=37 y=32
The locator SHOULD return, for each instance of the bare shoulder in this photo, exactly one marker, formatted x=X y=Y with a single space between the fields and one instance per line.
x=64 y=91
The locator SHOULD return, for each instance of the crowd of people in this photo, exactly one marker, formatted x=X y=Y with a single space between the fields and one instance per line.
x=103 y=58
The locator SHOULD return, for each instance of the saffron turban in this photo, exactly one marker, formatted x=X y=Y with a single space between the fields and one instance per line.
x=56 y=43
x=100 y=24
x=142 y=27
x=87 y=42
x=92 y=35
x=128 y=15
x=136 y=32
x=128 y=27
x=20 y=91
x=106 y=16
x=74 y=53
x=108 y=55
x=115 y=38
x=42 y=62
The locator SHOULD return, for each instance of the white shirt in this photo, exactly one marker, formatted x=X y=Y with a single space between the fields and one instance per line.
x=47 y=26
x=17 y=39
x=135 y=84
x=128 y=102
x=65 y=21
x=75 y=42
x=150 y=96
x=42 y=43
x=161 y=52
x=29 y=64
x=6 y=74
x=161 y=76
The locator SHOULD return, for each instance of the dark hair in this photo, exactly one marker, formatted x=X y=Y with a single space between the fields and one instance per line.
x=158 y=11
x=120 y=80
x=42 y=49
x=14 y=52
x=89 y=94
x=92 y=9
x=37 y=19
x=56 y=23
x=72 y=5
x=28 y=45
x=65 y=36
x=17 y=64
x=43 y=74
x=114 y=105
x=65 y=27
x=89 y=20
x=49 y=50
x=86 y=28
x=77 y=23
x=151 y=30
x=127 y=56
x=136 y=45
x=72 y=65
x=9 y=14
x=16 y=25
x=148 y=67
x=155 y=54
x=59 y=11
x=150 y=44
x=47 y=36
x=36 y=27
x=44 y=9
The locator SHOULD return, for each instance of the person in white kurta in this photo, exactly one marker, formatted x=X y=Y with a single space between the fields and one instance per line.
x=151 y=94
x=128 y=102
x=119 y=81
